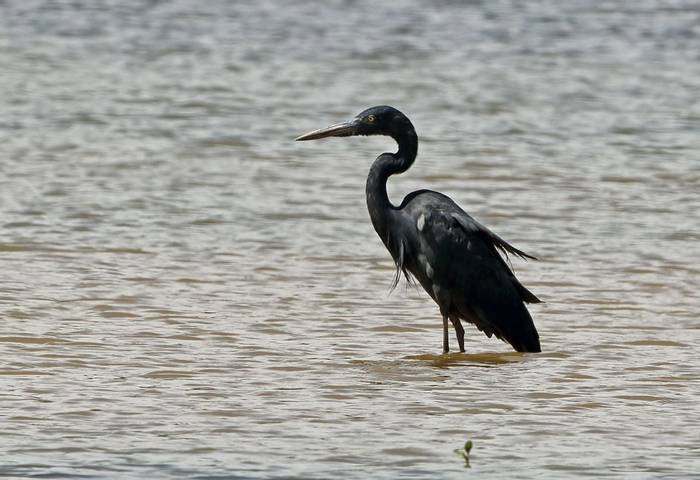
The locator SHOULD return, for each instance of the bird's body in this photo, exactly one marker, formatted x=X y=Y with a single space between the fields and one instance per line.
x=431 y=239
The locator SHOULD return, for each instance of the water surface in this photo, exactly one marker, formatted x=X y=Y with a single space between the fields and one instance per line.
x=187 y=293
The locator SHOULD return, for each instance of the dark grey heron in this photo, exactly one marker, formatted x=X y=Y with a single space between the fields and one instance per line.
x=431 y=239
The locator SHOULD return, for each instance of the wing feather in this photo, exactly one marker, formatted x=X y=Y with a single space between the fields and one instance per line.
x=477 y=284
x=467 y=222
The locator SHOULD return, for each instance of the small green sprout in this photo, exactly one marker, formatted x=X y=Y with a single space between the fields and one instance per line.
x=464 y=452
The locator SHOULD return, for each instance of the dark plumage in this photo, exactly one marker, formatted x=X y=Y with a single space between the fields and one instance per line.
x=431 y=239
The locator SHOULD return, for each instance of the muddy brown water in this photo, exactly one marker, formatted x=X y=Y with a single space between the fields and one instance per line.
x=187 y=293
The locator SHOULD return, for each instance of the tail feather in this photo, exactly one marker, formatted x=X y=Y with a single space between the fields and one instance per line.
x=514 y=326
x=529 y=342
x=526 y=295
x=524 y=338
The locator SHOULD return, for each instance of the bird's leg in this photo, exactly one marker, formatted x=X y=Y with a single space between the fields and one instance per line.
x=445 y=337
x=459 y=330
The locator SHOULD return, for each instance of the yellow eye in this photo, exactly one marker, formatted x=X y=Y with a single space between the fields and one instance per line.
x=371 y=119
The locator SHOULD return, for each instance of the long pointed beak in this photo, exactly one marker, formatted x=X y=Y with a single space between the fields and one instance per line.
x=345 y=129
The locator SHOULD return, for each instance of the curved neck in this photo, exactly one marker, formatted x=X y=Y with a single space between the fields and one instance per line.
x=384 y=166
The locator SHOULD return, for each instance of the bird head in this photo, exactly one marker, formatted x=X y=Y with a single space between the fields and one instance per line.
x=380 y=120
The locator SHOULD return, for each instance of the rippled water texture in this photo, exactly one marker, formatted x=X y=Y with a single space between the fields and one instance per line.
x=188 y=293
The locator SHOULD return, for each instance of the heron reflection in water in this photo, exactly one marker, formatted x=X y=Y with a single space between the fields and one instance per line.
x=433 y=240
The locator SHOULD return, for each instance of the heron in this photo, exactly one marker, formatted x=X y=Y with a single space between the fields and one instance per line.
x=432 y=240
